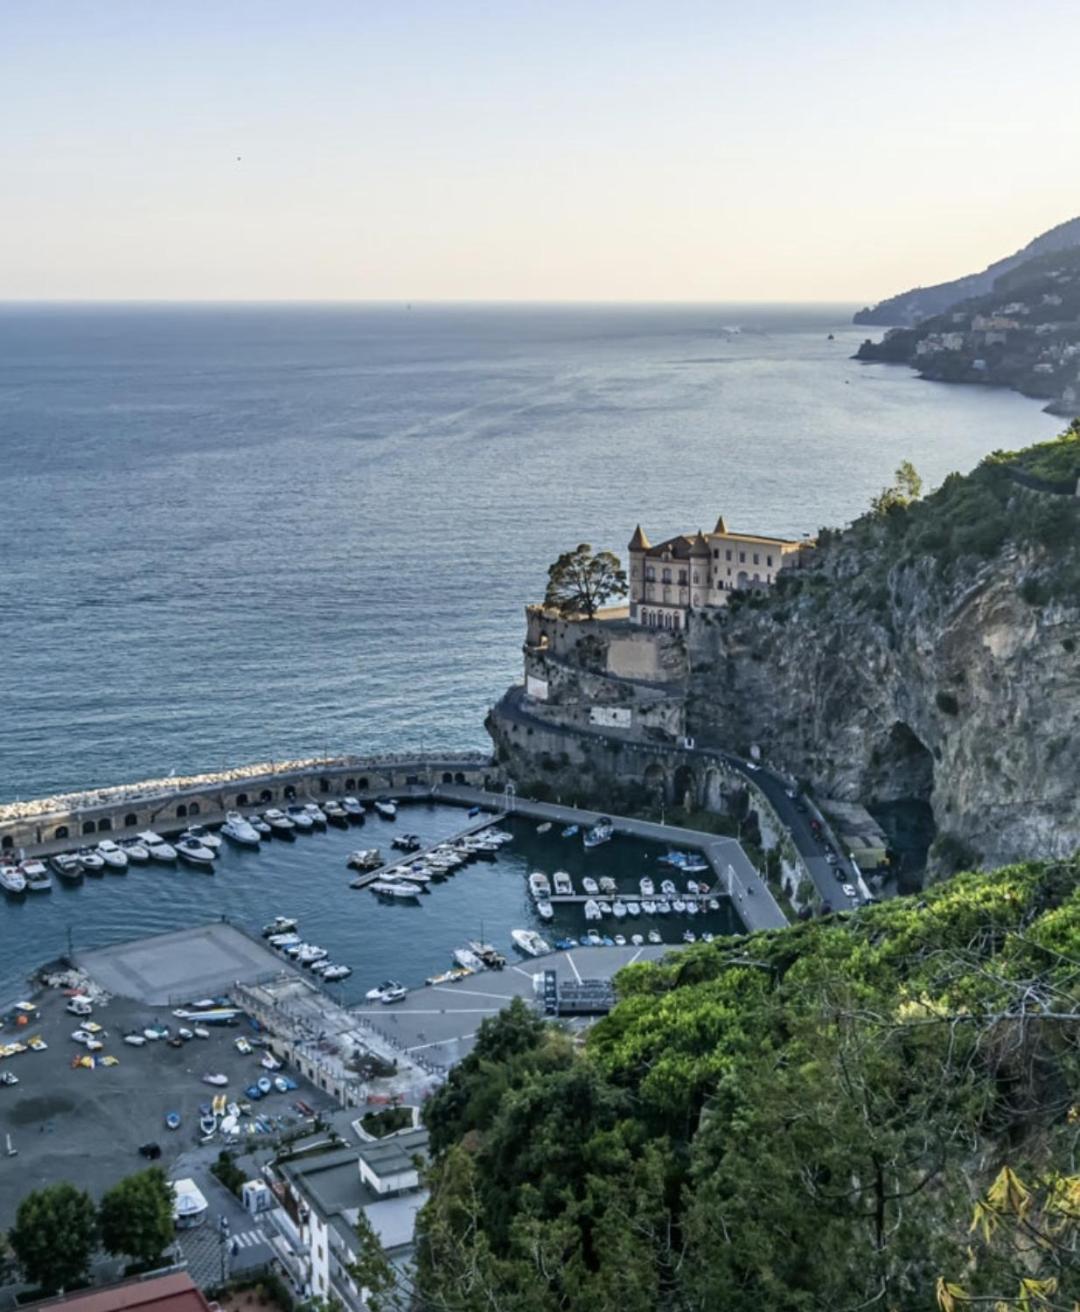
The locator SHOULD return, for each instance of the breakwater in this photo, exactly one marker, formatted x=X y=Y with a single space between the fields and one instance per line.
x=49 y=824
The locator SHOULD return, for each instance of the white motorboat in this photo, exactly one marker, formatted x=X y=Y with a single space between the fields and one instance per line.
x=620 y=940
x=260 y=826
x=281 y=825
x=12 y=879
x=375 y=994
x=335 y=813
x=530 y=942
x=544 y=828
x=395 y=994
x=203 y=835
x=279 y=925
x=601 y=832
x=633 y=908
x=302 y=821
x=637 y=940
x=663 y=907
x=618 y=909
x=136 y=852
x=237 y=830
x=646 y=885
x=714 y=904
x=136 y=1040
x=692 y=887
x=539 y=885
x=192 y=851
x=648 y=907
x=691 y=906
x=67 y=866
x=386 y=808
x=38 y=879
x=334 y=973
x=157 y=847
x=564 y=885
x=112 y=854
x=353 y=809
x=316 y=814
x=590 y=886
x=668 y=888
x=367 y=858
x=592 y=910
x=310 y=953
x=607 y=885
x=654 y=936
x=92 y=862
x=678 y=906
x=689 y=936
x=468 y=960
x=401 y=889
x=605 y=906
x=545 y=910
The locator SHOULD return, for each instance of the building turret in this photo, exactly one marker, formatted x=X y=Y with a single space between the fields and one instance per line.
x=639 y=542
x=699 y=546
x=721 y=525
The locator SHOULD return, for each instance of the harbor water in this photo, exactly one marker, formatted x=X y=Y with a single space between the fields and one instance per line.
x=307 y=878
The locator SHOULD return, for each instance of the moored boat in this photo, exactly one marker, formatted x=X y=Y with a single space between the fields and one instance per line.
x=281 y=825
x=354 y=809
x=91 y=861
x=203 y=835
x=530 y=942
x=539 y=885
x=335 y=814
x=68 y=867
x=279 y=925
x=401 y=890
x=12 y=879
x=303 y=820
x=367 y=858
x=386 y=808
x=114 y=856
x=316 y=814
x=545 y=910
x=136 y=852
x=157 y=847
x=564 y=885
x=601 y=832
x=38 y=879
x=237 y=830
x=195 y=854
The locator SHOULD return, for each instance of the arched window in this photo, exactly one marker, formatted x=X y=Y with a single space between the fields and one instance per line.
x=61 y=831
x=675 y=621
x=241 y=799
x=88 y=827
x=7 y=844
x=266 y=795
x=362 y=785
x=447 y=778
x=193 y=809
x=130 y=820
x=104 y=825
x=459 y=778
x=181 y=811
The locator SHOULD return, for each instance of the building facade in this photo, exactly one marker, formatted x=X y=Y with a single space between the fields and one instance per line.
x=684 y=573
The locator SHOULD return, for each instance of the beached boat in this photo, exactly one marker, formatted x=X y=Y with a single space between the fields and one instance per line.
x=135 y=1039
x=157 y=847
x=172 y=1120
x=530 y=942
x=216 y=1079
x=239 y=831
x=601 y=832
x=265 y=1084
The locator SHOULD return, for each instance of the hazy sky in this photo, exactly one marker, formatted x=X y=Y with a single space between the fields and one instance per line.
x=588 y=149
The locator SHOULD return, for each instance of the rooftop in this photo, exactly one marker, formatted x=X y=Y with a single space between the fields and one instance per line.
x=176 y=1292
x=394 y=1154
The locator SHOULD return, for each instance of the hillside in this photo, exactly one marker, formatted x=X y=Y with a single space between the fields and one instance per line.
x=911 y=307
x=878 y=1110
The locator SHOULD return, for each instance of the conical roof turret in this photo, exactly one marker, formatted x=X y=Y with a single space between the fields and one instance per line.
x=699 y=547
x=639 y=542
x=721 y=525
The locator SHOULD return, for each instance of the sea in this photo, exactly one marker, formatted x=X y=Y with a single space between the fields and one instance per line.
x=252 y=532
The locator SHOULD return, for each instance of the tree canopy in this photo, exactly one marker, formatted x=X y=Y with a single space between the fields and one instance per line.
x=581 y=581
x=906 y=487
x=136 y=1216
x=813 y=1119
x=55 y=1236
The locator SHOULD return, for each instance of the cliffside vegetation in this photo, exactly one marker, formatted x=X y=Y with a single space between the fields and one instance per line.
x=875 y=1111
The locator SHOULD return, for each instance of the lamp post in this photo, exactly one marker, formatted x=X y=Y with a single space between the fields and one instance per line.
x=223 y=1242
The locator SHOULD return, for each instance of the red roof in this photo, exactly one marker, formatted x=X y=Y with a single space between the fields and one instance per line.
x=172 y=1293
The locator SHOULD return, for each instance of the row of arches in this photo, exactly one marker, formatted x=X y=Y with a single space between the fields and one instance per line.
x=685 y=786
x=661 y=619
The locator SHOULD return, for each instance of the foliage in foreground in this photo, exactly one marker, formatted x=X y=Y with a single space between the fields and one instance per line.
x=55 y=1235
x=874 y=1111
x=136 y=1216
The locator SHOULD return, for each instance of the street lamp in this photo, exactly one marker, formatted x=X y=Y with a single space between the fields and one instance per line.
x=223 y=1242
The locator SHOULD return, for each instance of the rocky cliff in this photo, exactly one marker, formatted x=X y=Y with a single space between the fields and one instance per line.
x=934 y=656
x=911 y=307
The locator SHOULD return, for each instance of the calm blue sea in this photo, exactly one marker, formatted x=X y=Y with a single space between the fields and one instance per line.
x=236 y=533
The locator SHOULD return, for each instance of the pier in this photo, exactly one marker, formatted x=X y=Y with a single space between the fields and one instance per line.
x=409 y=858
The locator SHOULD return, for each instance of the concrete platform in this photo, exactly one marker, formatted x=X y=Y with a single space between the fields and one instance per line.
x=171 y=969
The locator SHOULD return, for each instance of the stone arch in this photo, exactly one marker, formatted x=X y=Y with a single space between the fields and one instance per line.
x=350 y=785
x=685 y=787
x=88 y=827
x=743 y=580
x=241 y=799
x=7 y=843
x=104 y=825
x=181 y=811
x=363 y=785
x=266 y=795
x=194 y=809
x=655 y=780
x=324 y=785
x=290 y=793
x=459 y=777
x=130 y=820
x=447 y=777
x=713 y=789
x=61 y=831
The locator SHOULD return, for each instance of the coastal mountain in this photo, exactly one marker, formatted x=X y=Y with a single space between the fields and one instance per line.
x=1023 y=333
x=911 y=307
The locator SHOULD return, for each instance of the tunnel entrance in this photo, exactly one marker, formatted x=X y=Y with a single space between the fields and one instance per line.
x=901 y=803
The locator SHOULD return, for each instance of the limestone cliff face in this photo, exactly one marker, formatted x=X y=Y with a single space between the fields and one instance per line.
x=883 y=681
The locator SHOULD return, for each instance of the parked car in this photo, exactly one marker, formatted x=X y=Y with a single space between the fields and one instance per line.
x=151 y=1151
x=849 y=891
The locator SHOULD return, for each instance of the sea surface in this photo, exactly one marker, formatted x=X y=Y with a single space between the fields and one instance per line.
x=248 y=533
x=308 y=879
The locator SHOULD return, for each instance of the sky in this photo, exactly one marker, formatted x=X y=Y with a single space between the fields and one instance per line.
x=621 y=150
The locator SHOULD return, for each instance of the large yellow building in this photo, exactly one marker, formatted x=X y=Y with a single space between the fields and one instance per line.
x=688 y=573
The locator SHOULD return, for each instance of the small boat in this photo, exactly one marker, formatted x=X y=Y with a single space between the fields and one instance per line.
x=136 y=852
x=200 y=1031
x=647 y=887
x=92 y=862
x=620 y=941
x=618 y=909
x=68 y=867
x=185 y=1034
x=194 y=853
x=242 y=1046
x=335 y=814
x=254 y=1092
x=539 y=885
x=678 y=906
x=114 y=856
x=452 y=976
x=375 y=994
x=281 y=1084
x=207 y=1125
x=590 y=886
x=689 y=936
x=237 y=830
x=156 y=1032
x=136 y=1039
x=714 y=904
x=368 y=858
x=648 y=907
x=12 y=879
x=315 y=813
x=334 y=973
x=571 y=831
x=654 y=936
x=203 y=835
x=633 y=908
x=468 y=960
x=157 y=847
x=691 y=906
x=564 y=885
x=663 y=907
x=38 y=879
x=545 y=910
x=607 y=941
x=281 y=825
x=707 y=937
x=353 y=809
x=474 y=811
x=269 y=1062
x=303 y=821
x=397 y=890
x=491 y=958
x=386 y=808
x=172 y=1120
x=605 y=907
x=530 y=942
x=545 y=828
x=395 y=994
x=592 y=910
x=607 y=885
x=637 y=940
x=265 y=1084
x=260 y=826
x=667 y=887
x=406 y=842
x=216 y=1079
x=692 y=887
x=601 y=832
x=279 y=925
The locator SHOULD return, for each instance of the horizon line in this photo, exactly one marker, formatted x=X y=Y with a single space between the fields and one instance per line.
x=404 y=301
